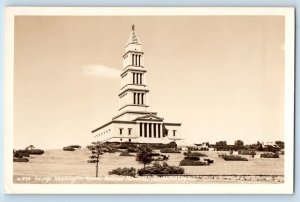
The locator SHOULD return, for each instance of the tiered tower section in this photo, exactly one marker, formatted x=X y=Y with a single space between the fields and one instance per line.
x=134 y=92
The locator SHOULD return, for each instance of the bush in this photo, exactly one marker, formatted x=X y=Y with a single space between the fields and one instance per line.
x=126 y=145
x=169 y=150
x=187 y=162
x=73 y=147
x=209 y=161
x=198 y=154
x=123 y=171
x=125 y=153
x=155 y=154
x=104 y=147
x=132 y=150
x=157 y=169
x=227 y=157
x=192 y=158
x=21 y=159
x=21 y=153
x=269 y=155
x=36 y=151
x=68 y=149
x=163 y=146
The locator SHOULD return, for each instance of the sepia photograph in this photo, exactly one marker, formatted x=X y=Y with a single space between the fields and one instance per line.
x=149 y=100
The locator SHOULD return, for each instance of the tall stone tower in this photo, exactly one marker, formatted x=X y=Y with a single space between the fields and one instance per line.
x=134 y=123
x=134 y=92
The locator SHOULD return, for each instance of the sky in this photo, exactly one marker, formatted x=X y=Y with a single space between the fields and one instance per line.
x=222 y=77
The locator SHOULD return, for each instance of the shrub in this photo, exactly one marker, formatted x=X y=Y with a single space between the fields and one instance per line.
x=68 y=149
x=125 y=153
x=269 y=155
x=209 y=161
x=198 y=154
x=169 y=150
x=108 y=149
x=155 y=154
x=21 y=153
x=126 y=145
x=227 y=157
x=132 y=150
x=187 y=162
x=157 y=169
x=36 y=151
x=21 y=159
x=123 y=171
x=103 y=147
x=192 y=158
x=163 y=146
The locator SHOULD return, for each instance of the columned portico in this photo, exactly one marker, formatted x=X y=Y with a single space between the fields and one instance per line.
x=150 y=130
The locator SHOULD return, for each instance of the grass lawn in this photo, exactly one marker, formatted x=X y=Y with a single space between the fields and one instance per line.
x=67 y=163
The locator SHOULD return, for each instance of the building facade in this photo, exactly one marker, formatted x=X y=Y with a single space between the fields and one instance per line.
x=135 y=123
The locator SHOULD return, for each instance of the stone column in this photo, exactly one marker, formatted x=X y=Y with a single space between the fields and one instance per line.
x=161 y=130
x=145 y=130
x=149 y=129
x=153 y=129
x=158 y=130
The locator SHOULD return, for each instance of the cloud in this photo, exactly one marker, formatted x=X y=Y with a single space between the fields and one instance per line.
x=99 y=70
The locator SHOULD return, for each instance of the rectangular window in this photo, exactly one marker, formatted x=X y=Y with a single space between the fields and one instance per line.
x=129 y=131
x=134 y=98
x=121 y=131
x=133 y=75
x=174 y=132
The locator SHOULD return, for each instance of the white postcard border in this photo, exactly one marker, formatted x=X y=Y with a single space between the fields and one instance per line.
x=285 y=188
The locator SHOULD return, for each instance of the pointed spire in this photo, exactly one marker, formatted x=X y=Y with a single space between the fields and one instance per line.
x=133 y=39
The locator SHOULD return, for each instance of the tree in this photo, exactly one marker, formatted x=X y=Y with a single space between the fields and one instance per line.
x=259 y=146
x=96 y=150
x=30 y=147
x=144 y=155
x=221 y=145
x=280 y=144
x=238 y=144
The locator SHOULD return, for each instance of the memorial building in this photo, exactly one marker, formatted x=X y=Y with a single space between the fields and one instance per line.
x=135 y=123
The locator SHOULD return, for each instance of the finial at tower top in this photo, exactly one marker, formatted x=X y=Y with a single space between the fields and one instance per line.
x=132 y=27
